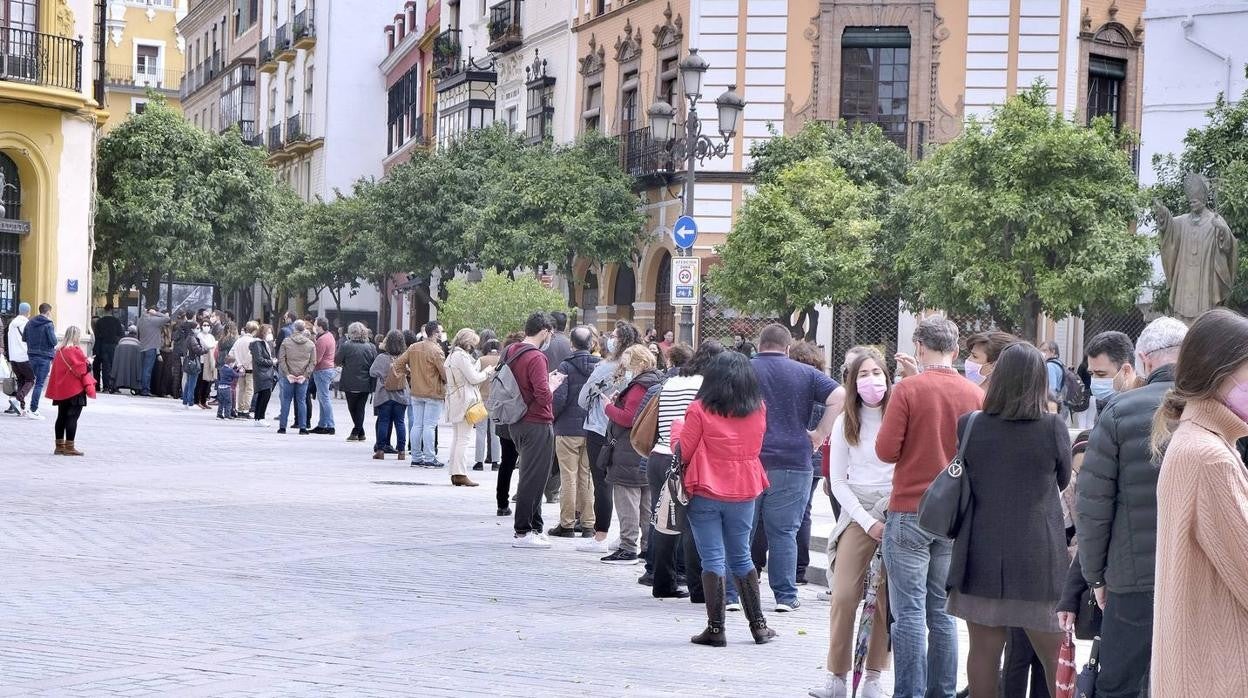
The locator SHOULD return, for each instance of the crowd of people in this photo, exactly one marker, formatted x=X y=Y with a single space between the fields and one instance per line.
x=1137 y=526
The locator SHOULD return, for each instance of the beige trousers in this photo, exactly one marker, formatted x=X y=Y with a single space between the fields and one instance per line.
x=461 y=448
x=575 y=481
x=854 y=551
x=244 y=393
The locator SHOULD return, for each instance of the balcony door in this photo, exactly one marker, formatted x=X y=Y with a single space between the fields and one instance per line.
x=147 y=65
x=19 y=46
x=19 y=14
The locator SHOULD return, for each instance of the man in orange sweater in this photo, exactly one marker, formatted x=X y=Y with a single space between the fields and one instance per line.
x=919 y=434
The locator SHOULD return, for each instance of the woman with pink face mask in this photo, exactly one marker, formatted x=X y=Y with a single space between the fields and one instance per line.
x=862 y=484
x=983 y=349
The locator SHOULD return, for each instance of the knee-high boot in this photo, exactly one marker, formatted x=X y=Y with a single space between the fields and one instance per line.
x=713 y=588
x=752 y=604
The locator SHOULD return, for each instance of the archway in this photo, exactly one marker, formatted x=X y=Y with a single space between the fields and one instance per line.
x=625 y=292
x=663 y=310
x=10 y=237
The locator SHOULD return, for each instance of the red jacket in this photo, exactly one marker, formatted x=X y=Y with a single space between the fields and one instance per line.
x=721 y=454
x=71 y=375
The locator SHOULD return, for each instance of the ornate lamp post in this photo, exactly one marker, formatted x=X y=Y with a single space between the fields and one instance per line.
x=694 y=147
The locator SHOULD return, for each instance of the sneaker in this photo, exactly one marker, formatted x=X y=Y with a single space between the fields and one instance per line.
x=561 y=532
x=871 y=688
x=834 y=687
x=646 y=579
x=788 y=607
x=530 y=540
x=435 y=464
x=733 y=606
x=824 y=595
x=504 y=512
x=494 y=467
x=31 y=414
x=419 y=464
x=589 y=545
x=281 y=430
x=478 y=467
x=15 y=407
x=304 y=432
x=621 y=557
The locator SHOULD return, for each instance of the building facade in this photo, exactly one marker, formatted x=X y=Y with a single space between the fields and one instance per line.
x=219 y=90
x=144 y=53
x=51 y=107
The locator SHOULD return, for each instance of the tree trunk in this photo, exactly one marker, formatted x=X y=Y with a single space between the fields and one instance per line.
x=384 y=308
x=151 y=291
x=1029 y=310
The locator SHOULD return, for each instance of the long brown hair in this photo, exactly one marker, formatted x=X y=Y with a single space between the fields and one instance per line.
x=1214 y=348
x=853 y=402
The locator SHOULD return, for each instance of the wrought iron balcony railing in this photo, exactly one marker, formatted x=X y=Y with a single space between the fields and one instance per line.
x=504 y=26
x=446 y=50
x=275 y=138
x=40 y=59
x=305 y=25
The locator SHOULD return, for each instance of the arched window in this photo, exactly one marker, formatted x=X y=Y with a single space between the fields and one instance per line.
x=20 y=14
x=10 y=188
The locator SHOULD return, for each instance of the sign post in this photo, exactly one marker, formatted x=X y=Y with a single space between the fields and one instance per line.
x=686 y=272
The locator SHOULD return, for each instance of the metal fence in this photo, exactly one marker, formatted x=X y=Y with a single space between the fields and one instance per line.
x=1096 y=321
x=870 y=323
x=716 y=320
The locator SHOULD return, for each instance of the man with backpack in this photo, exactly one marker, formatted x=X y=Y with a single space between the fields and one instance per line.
x=1064 y=384
x=521 y=397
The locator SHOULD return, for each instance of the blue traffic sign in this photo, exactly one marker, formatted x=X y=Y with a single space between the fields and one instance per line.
x=685 y=232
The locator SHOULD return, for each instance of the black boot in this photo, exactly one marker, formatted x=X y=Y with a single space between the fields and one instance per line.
x=713 y=588
x=752 y=604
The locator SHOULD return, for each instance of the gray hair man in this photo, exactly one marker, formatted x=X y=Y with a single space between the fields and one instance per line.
x=1117 y=505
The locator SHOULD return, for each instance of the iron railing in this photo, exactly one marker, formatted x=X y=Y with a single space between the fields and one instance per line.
x=40 y=59
x=504 y=26
x=266 y=50
x=297 y=128
x=275 y=138
x=305 y=25
x=246 y=129
x=133 y=76
x=639 y=154
x=446 y=50
x=281 y=39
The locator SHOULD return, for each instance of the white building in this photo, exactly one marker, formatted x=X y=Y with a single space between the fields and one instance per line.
x=320 y=117
x=535 y=58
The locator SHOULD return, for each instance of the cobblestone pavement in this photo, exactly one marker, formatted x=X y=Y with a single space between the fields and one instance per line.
x=190 y=556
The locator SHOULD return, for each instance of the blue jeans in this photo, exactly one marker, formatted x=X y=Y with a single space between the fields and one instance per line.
x=324 y=408
x=298 y=393
x=780 y=510
x=191 y=379
x=390 y=418
x=225 y=402
x=40 y=365
x=925 y=640
x=422 y=424
x=721 y=531
x=149 y=365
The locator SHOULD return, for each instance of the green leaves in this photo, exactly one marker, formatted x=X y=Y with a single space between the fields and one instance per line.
x=1034 y=213
x=496 y=302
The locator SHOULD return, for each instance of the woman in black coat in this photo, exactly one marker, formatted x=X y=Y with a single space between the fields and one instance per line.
x=1009 y=557
x=263 y=370
x=355 y=358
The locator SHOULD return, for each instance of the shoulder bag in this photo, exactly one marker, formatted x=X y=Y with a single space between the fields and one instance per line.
x=646 y=427
x=948 y=498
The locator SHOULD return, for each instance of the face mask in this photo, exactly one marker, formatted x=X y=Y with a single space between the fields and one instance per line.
x=207 y=329
x=1237 y=400
x=973 y=372
x=1103 y=389
x=872 y=389
x=611 y=344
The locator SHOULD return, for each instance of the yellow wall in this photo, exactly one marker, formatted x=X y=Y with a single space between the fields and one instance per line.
x=32 y=137
x=161 y=28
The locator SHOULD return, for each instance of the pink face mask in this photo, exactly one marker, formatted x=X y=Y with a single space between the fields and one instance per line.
x=872 y=389
x=1237 y=400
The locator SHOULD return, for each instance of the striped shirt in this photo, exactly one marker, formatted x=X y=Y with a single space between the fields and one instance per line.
x=678 y=392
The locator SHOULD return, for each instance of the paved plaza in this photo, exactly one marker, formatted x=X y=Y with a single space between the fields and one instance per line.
x=195 y=557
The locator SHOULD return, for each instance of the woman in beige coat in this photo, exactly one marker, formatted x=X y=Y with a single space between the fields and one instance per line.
x=463 y=378
x=1200 y=614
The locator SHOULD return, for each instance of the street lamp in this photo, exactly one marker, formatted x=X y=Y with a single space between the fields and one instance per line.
x=694 y=147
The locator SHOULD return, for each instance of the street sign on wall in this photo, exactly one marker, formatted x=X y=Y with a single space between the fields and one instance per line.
x=686 y=280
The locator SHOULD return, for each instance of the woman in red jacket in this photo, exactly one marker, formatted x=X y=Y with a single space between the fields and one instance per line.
x=720 y=442
x=69 y=386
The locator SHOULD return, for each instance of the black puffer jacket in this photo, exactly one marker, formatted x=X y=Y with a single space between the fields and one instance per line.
x=355 y=357
x=1117 y=502
x=570 y=416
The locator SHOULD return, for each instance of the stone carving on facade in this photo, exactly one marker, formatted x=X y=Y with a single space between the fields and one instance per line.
x=64 y=19
x=628 y=47
x=116 y=22
x=670 y=32
x=596 y=61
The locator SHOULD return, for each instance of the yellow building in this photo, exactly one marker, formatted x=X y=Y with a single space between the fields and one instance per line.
x=51 y=90
x=143 y=52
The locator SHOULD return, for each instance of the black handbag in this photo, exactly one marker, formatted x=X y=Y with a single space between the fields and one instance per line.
x=948 y=498
x=1085 y=685
x=1088 y=617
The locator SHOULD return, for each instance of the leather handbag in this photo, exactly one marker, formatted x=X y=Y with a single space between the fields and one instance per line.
x=476 y=413
x=1088 y=617
x=948 y=498
x=646 y=427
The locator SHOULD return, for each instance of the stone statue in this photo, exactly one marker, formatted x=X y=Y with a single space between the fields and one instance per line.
x=4 y=186
x=1199 y=254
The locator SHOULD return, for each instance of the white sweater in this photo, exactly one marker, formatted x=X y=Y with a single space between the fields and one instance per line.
x=857 y=465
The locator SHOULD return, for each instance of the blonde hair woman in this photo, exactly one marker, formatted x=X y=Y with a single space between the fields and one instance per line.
x=463 y=378
x=69 y=386
x=630 y=488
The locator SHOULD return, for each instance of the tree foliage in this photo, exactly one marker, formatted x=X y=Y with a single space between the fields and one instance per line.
x=807 y=237
x=1029 y=213
x=1219 y=150
x=860 y=150
x=496 y=302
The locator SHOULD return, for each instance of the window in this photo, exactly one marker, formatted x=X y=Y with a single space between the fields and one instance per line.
x=875 y=78
x=540 y=116
x=238 y=100
x=592 y=114
x=669 y=74
x=403 y=108
x=20 y=14
x=273 y=106
x=628 y=101
x=146 y=61
x=511 y=120
x=1105 y=78
x=138 y=106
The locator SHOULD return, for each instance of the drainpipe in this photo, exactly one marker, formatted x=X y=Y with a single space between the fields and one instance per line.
x=1187 y=25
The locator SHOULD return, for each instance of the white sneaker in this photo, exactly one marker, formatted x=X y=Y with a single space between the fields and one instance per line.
x=825 y=595
x=33 y=415
x=530 y=540
x=733 y=606
x=589 y=545
x=614 y=544
x=788 y=607
x=871 y=688
x=835 y=687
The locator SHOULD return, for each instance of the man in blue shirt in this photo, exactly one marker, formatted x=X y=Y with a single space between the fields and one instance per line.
x=790 y=391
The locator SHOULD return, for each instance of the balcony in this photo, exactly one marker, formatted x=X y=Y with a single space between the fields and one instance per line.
x=246 y=131
x=305 y=29
x=640 y=156
x=268 y=60
x=447 y=51
x=504 y=27
x=283 y=48
x=143 y=78
x=40 y=59
x=275 y=138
